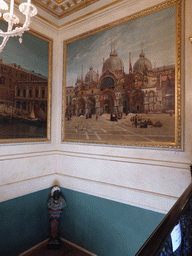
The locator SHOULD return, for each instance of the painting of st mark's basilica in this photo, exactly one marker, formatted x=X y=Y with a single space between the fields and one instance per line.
x=143 y=90
x=122 y=80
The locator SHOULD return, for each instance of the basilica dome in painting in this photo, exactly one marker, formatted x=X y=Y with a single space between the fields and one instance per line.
x=142 y=64
x=113 y=63
x=91 y=76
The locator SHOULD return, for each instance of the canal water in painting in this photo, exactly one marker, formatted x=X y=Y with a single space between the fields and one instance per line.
x=19 y=129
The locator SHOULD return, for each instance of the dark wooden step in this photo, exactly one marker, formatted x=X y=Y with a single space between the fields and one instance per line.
x=67 y=249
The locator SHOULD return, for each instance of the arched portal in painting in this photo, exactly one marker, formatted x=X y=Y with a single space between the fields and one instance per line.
x=126 y=101
x=81 y=106
x=91 y=105
x=107 y=102
x=137 y=102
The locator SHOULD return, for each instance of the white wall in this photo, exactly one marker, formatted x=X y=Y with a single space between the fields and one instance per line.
x=145 y=177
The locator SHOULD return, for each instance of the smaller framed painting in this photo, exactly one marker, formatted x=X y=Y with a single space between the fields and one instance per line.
x=25 y=88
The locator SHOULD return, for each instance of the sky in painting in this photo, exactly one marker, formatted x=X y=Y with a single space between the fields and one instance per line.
x=155 y=33
x=31 y=54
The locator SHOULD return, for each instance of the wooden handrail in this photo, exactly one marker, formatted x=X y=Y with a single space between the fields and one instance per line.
x=156 y=241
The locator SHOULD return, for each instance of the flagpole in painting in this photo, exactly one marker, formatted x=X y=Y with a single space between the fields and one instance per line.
x=130 y=77
x=81 y=89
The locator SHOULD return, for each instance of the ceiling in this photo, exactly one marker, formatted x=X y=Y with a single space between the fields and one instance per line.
x=62 y=8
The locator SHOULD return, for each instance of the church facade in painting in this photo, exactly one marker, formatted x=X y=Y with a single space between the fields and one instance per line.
x=141 y=89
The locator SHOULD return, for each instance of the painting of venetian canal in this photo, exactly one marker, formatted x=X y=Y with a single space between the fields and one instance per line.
x=24 y=89
x=121 y=83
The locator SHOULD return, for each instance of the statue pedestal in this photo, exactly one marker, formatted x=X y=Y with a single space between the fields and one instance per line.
x=54 y=241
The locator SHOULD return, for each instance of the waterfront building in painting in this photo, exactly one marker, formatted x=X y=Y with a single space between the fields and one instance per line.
x=22 y=90
x=142 y=89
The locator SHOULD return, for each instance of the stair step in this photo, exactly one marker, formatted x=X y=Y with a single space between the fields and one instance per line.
x=67 y=249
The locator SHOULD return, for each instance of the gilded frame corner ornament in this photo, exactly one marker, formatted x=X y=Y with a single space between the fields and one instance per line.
x=26 y=116
x=94 y=103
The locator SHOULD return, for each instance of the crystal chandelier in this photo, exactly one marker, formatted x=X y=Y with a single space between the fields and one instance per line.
x=27 y=9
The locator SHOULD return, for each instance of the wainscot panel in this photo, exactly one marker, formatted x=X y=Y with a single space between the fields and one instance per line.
x=106 y=227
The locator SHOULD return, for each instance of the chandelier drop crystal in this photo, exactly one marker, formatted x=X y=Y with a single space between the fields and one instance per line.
x=27 y=9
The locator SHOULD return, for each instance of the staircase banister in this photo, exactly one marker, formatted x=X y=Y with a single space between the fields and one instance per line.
x=155 y=242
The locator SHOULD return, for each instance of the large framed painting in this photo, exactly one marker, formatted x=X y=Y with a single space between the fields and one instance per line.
x=25 y=88
x=122 y=81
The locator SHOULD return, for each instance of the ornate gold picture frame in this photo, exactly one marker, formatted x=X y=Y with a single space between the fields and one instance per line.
x=25 y=89
x=122 y=81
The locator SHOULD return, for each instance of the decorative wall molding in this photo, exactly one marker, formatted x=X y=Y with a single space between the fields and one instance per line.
x=117 y=158
x=27 y=155
x=24 y=187
x=145 y=183
x=143 y=199
x=127 y=159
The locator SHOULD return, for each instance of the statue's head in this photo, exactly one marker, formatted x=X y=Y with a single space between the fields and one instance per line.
x=55 y=192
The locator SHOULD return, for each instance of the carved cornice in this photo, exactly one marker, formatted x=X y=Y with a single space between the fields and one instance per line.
x=63 y=8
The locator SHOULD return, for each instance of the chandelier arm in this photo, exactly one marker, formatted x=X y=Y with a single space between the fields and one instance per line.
x=26 y=9
x=2 y=45
x=10 y=26
x=18 y=30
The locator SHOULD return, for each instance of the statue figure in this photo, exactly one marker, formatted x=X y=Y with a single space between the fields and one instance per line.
x=55 y=204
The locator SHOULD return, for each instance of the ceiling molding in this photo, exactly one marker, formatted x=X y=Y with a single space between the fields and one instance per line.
x=65 y=22
x=62 y=8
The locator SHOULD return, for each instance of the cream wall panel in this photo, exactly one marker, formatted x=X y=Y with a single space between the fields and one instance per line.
x=13 y=190
x=26 y=173
x=136 y=154
x=22 y=168
x=150 y=181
